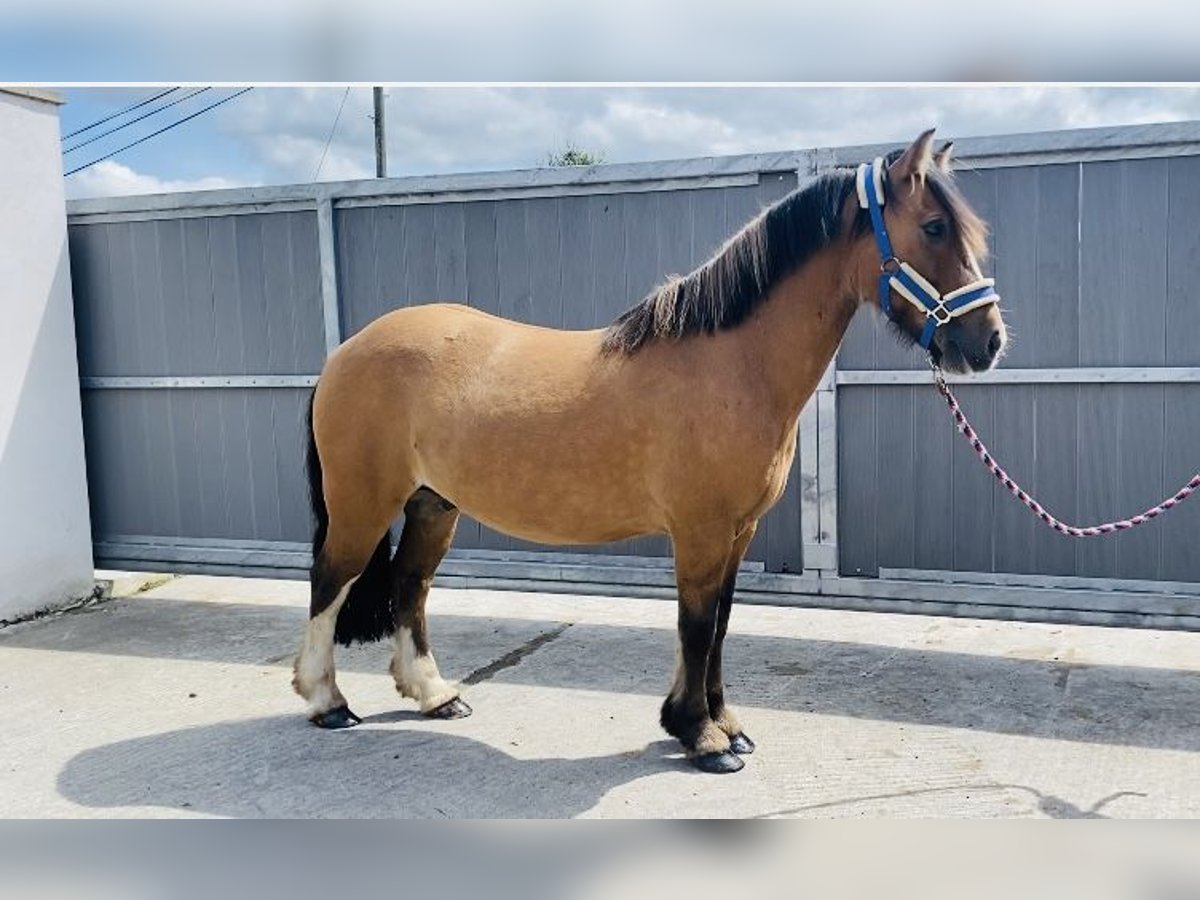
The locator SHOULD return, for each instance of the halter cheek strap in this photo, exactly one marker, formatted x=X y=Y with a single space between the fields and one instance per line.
x=894 y=274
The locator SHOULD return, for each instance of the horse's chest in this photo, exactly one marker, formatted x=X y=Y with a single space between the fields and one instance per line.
x=758 y=465
x=774 y=476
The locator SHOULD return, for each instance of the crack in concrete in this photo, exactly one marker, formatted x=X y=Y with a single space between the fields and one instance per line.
x=92 y=600
x=100 y=594
x=150 y=583
x=514 y=657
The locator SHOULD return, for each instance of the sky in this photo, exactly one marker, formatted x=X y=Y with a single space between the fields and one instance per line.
x=278 y=135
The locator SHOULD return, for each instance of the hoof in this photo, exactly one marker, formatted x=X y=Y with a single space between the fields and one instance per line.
x=718 y=763
x=338 y=717
x=451 y=709
x=740 y=744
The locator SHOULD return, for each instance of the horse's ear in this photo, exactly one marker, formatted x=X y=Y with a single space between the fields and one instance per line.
x=913 y=162
x=942 y=158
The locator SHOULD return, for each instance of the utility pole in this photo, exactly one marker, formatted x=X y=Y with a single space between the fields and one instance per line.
x=380 y=137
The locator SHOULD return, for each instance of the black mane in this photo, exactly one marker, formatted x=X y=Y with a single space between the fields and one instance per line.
x=724 y=291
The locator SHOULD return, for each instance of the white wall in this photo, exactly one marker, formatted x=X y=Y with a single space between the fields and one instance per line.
x=45 y=535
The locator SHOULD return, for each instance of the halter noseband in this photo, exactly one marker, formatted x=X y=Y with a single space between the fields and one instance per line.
x=907 y=281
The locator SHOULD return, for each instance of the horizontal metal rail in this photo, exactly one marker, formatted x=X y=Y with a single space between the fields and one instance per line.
x=1044 y=582
x=156 y=382
x=1127 y=603
x=1084 y=375
x=843 y=378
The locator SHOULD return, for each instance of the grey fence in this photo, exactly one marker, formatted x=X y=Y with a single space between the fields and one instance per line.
x=202 y=323
x=204 y=318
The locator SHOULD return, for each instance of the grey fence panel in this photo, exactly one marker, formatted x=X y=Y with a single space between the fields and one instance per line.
x=1183 y=250
x=204 y=296
x=235 y=295
x=1083 y=450
x=857 y=480
x=1055 y=324
x=1181 y=414
x=198 y=463
x=972 y=505
x=933 y=487
x=1014 y=529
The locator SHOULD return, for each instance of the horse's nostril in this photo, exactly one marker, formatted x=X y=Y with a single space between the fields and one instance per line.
x=993 y=345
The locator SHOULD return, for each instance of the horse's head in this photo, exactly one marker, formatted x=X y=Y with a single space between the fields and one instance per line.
x=931 y=286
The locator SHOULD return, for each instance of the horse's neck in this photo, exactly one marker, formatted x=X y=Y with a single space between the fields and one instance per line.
x=797 y=331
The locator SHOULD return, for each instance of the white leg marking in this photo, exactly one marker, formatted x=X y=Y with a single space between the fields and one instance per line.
x=314 y=679
x=728 y=722
x=417 y=676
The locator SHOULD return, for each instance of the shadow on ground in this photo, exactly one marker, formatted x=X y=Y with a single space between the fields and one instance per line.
x=280 y=766
x=1117 y=705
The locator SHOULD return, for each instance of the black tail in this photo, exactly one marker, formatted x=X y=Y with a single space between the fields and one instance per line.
x=316 y=490
x=368 y=613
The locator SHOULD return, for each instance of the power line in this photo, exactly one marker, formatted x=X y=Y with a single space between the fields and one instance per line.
x=160 y=131
x=122 y=112
x=329 y=139
x=152 y=112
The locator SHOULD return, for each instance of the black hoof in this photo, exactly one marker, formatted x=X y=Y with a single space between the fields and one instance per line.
x=451 y=709
x=338 y=717
x=718 y=763
x=740 y=744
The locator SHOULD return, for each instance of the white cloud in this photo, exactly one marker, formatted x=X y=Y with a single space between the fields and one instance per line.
x=113 y=179
x=287 y=129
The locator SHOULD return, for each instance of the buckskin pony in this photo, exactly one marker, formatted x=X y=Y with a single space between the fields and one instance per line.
x=680 y=418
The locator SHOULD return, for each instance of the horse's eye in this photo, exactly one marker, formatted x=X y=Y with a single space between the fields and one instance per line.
x=935 y=229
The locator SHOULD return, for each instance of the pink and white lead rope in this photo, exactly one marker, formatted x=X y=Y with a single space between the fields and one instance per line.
x=1016 y=490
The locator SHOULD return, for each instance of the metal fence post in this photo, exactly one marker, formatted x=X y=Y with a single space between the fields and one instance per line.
x=818 y=474
x=327 y=252
x=818 y=449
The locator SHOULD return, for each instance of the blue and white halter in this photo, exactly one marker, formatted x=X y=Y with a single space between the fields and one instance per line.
x=903 y=278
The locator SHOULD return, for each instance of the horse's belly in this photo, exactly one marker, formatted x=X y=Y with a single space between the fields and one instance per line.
x=547 y=497
x=549 y=520
x=556 y=530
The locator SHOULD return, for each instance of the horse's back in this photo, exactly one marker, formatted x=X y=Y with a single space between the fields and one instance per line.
x=420 y=323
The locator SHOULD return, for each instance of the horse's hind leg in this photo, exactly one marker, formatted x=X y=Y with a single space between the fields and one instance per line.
x=429 y=523
x=346 y=552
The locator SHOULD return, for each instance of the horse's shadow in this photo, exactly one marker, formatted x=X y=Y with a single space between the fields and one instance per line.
x=390 y=766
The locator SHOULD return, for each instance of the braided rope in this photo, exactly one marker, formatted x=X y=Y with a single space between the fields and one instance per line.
x=960 y=421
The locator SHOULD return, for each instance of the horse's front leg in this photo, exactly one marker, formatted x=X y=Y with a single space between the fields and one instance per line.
x=739 y=741
x=700 y=569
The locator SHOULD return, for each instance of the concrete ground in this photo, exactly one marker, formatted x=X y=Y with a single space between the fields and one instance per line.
x=175 y=701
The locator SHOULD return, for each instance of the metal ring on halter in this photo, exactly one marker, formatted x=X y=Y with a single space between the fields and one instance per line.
x=941 y=314
x=891 y=265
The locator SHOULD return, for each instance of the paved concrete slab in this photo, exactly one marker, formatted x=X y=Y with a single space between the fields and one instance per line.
x=175 y=701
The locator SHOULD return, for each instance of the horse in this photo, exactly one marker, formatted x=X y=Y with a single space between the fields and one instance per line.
x=679 y=418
